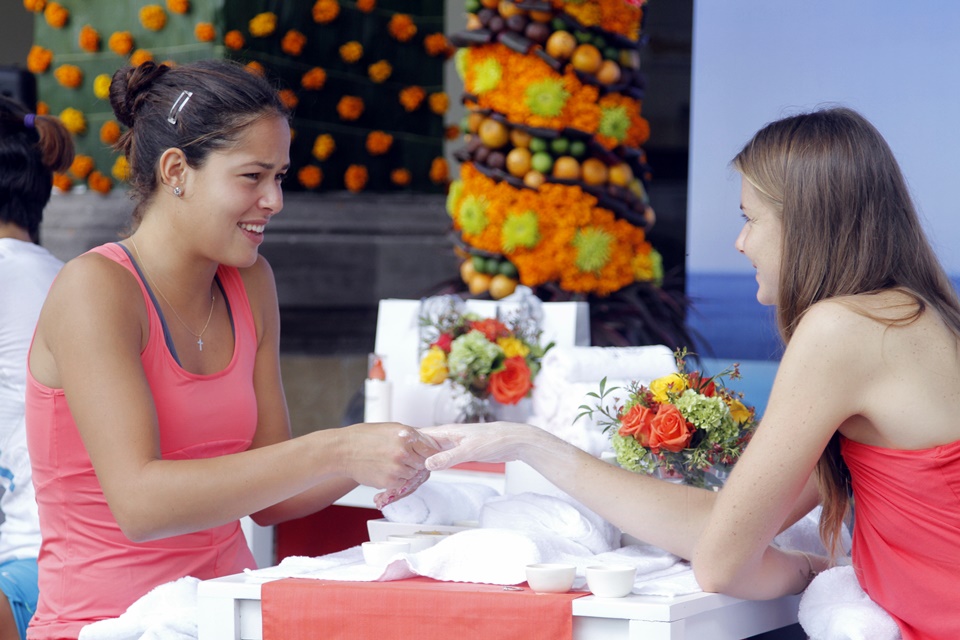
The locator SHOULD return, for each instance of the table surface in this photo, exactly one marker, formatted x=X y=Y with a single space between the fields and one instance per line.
x=230 y=610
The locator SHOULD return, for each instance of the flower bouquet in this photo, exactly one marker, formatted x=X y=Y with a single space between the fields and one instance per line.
x=684 y=426
x=483 y=358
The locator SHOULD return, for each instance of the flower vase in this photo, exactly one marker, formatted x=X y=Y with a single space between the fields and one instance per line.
x=476 y=409
x=458 y=405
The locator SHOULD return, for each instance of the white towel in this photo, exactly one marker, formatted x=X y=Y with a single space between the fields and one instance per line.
x=835 y=607
x=537 y=513
x=440 y=503
x=167 y=612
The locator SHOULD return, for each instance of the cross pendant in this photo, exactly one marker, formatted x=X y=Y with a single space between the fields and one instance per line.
x=200 y=343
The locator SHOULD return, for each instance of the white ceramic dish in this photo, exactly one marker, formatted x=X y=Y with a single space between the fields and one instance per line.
x=611 y=580
x=551 y=577
x=380 y=528
x=381 y=552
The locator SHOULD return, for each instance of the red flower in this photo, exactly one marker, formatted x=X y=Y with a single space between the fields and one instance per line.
x=637 y=423
x=669 y=430
x=490 y=327
x=513 y=383
x=696 y=382
x=443 y=342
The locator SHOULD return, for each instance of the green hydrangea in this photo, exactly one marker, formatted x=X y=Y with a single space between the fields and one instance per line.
x=487 y=76
x=631 y=456
x=521 y=230
x=656 y=263
x=546 y=98
x=593 y=249
x=710 y=414
x=460 y=62
x=472 y=356
x=453 y=196
x=473 y=214
x=614 y=122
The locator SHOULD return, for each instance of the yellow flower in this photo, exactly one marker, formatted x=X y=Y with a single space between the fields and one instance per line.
x=263 y=24
x=121 y=168
x=323 y=146
x=513 y=347
x=73 y=120
x=101 y=86
x=433 y=367
x=153 y=17
x=674 y=383
x=738 y=411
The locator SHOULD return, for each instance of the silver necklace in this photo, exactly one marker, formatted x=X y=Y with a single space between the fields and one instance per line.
x=198 y=336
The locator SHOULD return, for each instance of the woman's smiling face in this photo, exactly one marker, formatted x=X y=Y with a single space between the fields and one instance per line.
x=760 y=241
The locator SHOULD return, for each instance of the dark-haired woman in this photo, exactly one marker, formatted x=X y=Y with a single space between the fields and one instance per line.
x=32 y=147
x=155 y=412
x=866 y=398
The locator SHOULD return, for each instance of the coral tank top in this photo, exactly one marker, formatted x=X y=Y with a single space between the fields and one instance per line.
x=906 y=538
x=88 y=569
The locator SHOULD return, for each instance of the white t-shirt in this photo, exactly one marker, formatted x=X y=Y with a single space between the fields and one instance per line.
x=26 y=272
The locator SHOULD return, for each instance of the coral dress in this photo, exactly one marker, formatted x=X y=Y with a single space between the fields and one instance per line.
x=906 y=539
x=88 y=569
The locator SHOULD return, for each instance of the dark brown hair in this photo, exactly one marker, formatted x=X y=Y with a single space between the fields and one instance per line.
x=849 y=227
x=223 y=99
x=32 y=147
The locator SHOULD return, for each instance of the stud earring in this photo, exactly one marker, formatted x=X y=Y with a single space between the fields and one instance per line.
x=177 y=191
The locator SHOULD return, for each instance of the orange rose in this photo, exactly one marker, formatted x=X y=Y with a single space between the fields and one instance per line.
x=637 y=423
x=669 y=430
x=513 y=383
x=491 y=328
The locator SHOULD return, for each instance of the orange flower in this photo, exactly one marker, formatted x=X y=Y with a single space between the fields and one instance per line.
x=262 y=24
x=350 y=108
x=439 y=103
x=255 y=67
x=412 y=97
x=56 y=15
x=380 y=71
x=378 y=143
x=69 y=75
x=325 y=11
x=436 y=44
x=363 y=5
x=451 y=132
x=310 y=176
x=439 y=171
x=110 y=132
x=401 y=27
x=289 y=98
x=669 y=430
x=314 y=79
x=81 y=166
x=636 y=423
x=153 y=17
x=120 y=169
x=400 y=177
x=62 y=182
x=120 y=42
x=36 y=6
x=178 y=6
x=323 y=147
x=513 y=383
x=233 y=40
x=140 y=56
x=351 y=51
x=89 y=39
x=293 y=42
x=205 y=32
x=43 y=108
x=39 y=59
x=355 y=177
x=100 y=183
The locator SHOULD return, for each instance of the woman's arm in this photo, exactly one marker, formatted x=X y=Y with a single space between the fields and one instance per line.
x=92 y=335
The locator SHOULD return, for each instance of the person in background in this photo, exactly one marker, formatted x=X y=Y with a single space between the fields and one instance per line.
x=32 y=147
x=156 y=416
x=866 y=397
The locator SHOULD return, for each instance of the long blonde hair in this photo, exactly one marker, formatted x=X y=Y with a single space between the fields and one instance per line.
x=849 y=227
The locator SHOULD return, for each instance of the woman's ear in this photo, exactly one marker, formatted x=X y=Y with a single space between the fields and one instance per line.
x=173 y=169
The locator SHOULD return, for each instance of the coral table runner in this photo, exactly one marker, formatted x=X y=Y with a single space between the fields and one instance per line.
x=421 y=608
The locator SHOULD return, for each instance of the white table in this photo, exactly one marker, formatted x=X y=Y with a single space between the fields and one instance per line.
x=229 y=609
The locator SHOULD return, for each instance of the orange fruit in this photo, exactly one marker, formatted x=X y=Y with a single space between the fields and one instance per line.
x=566 y=167
x=507 y=9
x=586 y=58
x=467 y=271
x=620 y=174
x=501 y=286
x=561 y=44
x=534 y=179
x=473 y=121
x=479 y=283
x=594 y=171
x=493 y=134
x=520 y=138
x=518 y=161
x=609 y=72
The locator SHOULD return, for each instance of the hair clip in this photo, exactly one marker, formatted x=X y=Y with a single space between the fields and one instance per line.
x=28 y=120
x=178 y=106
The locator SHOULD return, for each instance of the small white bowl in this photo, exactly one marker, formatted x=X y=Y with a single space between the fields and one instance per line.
x=611 y=580
x=417 y=541
x=380 y=553
x=551 y=577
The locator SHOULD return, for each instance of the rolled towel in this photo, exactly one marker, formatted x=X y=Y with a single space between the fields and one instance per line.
x=835 y=607
x=591 y=364
x=440 y=503
x=536 y=513
x=167 y=612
